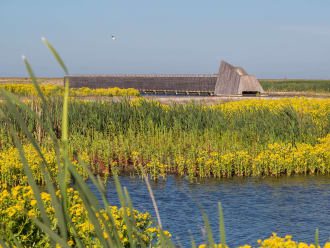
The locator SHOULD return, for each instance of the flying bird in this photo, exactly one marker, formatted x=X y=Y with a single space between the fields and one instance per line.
x=113 y=37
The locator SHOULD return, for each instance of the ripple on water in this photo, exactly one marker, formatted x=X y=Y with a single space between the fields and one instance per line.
x=253 y=208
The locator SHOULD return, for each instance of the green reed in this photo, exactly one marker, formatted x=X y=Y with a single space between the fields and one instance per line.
x=150 y=137
x=116 y=119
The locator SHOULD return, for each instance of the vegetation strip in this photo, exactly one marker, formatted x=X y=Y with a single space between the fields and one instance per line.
x=247 y=138
x=296 y=85
x=56 y=90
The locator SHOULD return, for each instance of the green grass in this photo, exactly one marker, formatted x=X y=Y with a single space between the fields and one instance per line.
x=319 y=86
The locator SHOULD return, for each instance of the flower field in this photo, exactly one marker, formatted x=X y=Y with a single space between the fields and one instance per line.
x=14 y=201
x=56 y=90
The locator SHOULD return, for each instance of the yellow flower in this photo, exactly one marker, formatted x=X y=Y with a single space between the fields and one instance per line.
x=327 y=245
x=31 y=212
x=33 y=202
x=167 y=233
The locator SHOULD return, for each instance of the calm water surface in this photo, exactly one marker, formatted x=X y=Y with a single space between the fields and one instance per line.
x=253 y=208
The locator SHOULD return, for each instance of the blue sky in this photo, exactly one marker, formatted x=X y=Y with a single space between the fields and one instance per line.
x=270 y=39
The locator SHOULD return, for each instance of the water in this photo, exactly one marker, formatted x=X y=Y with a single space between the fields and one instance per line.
x=253 y=208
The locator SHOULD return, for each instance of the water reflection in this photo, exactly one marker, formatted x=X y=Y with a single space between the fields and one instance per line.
x=253 y=207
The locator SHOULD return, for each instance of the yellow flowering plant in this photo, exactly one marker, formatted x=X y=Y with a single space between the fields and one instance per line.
x=18 y=204
x=12 y=171
x=29 y=90
x=276 y=242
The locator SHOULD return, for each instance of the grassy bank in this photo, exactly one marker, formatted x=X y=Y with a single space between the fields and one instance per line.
x=319 y=86
x=251 y=137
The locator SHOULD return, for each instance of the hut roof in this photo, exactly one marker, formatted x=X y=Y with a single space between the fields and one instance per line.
x=235 y=81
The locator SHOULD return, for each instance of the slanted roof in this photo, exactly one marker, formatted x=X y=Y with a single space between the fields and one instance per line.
x=249 y=83
x=234 y=81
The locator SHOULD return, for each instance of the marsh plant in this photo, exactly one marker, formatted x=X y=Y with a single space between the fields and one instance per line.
x=136 y=136
x=50 y=204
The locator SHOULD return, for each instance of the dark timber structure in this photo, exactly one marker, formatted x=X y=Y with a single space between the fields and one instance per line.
x=230 y=81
